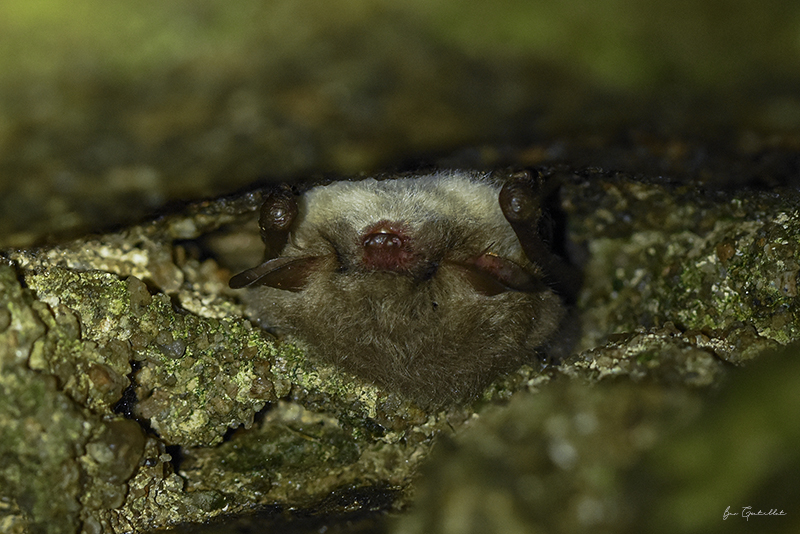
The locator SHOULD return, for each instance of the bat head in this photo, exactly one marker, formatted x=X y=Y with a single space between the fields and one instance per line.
x=417 y=283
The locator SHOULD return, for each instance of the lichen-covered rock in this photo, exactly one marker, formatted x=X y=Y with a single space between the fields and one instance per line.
x=103 y=329
x=548 y=462
x=660 y=355
x=722 y=266
x=62 y=461
x=41 y=429
x=622 y=456
x=128 y=365
x=104 y=332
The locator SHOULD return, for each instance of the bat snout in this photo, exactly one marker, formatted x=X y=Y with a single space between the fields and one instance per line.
x=387 y=246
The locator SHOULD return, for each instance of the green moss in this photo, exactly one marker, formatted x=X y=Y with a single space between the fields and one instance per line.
x=42 y=429
x=713 y=268
x=293 y=454
x=197 y=360
x=668 y=296
x=200 y=370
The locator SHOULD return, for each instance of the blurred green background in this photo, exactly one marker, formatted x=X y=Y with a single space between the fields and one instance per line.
x=111 y=109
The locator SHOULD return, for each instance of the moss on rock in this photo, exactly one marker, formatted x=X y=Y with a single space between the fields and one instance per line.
x=720 y=265
x=116 y=347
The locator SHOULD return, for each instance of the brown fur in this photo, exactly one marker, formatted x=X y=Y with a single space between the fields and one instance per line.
x=426 y=333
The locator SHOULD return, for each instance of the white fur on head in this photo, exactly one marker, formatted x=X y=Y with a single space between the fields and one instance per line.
x=467 y=200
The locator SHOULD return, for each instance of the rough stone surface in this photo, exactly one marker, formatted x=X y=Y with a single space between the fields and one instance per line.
x=93 y=342
x=623 y=456
x=130 y=375
x=721 y=267
x=134 y=395
x=549 y=462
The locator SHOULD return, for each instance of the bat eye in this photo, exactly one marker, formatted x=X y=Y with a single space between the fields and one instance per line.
x=278 y=211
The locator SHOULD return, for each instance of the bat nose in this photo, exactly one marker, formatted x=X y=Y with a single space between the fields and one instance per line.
x=387 y=247
x=382 y=240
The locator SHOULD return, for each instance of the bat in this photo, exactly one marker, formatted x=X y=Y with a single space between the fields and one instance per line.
x=429 y=285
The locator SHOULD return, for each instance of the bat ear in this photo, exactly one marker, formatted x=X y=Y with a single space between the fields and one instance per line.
x=491 y=275
x=520 y=199
x=290 y=274
x=278 y=215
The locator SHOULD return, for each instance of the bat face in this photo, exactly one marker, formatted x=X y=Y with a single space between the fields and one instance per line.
x=422 y=284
